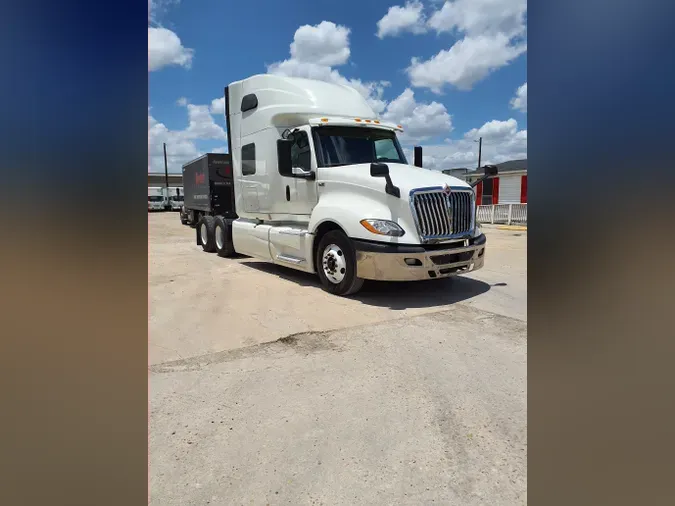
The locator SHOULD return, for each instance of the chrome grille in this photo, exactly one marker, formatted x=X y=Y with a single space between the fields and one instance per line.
x=440 y=216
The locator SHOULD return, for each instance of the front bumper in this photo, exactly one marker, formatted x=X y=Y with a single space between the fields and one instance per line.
x=392 y=262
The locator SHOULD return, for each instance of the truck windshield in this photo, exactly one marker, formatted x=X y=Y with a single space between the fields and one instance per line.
x=176 y=198
x=351 y=145
x=155 y=198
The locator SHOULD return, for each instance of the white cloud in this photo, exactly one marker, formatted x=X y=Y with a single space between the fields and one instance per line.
x=157 y=8
x=469 y=60
x=182 y=101
x=218 y=106
x=409 y=18
x=494 y=129
x=491 y=34
x=165 y=48
x=519 y=102
x=502 y=141
x=181 y=145
x=179 y=148
x=481 y=17
x=314 y=52
x=201 y=124
x=420 y=121
x=323 y=44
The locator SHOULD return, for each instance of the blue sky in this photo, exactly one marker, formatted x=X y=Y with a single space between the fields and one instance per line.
x=448 y=71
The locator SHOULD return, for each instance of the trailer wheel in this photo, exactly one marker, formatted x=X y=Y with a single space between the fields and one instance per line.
x=336 y=264
x=206 y=233
x=223 y=237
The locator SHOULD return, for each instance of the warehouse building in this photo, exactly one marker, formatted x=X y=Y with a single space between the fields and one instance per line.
x=159 y=179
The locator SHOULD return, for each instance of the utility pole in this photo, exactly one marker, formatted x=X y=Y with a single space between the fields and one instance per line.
x=166 y=179
x=480 y=147
x=166 y=171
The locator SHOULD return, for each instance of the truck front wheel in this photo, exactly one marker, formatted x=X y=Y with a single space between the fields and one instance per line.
x=336 y=264
x=206 y=230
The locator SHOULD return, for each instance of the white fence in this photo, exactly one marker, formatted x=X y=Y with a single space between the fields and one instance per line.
x=508 y=214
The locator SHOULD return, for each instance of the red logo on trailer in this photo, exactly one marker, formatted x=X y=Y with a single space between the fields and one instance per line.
x=200 y=178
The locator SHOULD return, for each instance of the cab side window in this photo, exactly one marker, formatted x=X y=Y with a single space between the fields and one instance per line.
x=301 y=154
x=248 y=159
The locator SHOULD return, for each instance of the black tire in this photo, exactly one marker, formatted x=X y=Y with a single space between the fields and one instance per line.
x=206 y=227
x=224 y=246
x=349 y=282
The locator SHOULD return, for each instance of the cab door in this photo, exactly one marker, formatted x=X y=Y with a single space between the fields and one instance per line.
x=301 y=193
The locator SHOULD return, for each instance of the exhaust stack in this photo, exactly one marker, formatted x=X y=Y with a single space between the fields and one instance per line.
x=418 y=156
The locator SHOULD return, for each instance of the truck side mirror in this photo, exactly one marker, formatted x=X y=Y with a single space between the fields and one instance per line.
x=302 y=173
x=379 y=170
x=284 y=157
x=490 y=170
x=382 y=170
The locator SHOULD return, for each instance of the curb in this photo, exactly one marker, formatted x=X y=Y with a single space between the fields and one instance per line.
x=512 y=227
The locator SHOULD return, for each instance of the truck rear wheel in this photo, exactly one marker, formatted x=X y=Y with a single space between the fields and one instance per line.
x=223 y=237
x=206 y=231
x=336 y=264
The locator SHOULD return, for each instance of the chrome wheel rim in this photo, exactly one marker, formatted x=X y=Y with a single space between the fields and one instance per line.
x=220 y=237
x=334 y=264
x=204 y=233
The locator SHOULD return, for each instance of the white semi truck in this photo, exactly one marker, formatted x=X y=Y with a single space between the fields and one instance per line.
x=315 y=181
x=157 y=200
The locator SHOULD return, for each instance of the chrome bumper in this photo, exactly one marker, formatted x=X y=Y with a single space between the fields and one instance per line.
x=393 y=262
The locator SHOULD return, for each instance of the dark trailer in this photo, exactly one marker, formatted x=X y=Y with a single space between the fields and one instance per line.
x=208 y=187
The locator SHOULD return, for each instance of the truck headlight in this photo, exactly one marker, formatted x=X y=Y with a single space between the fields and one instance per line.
x=383 y=227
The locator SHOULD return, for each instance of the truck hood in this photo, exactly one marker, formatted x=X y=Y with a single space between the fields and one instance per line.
x=406 y=177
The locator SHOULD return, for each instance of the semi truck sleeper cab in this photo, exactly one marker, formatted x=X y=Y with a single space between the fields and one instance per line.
x=315 y=181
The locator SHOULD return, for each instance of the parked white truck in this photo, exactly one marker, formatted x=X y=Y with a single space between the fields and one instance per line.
x=175 y=196
x=318 y=183
x=157 y=200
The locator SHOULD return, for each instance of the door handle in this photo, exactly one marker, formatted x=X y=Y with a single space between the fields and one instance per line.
x=288 y=193
x=321 y=184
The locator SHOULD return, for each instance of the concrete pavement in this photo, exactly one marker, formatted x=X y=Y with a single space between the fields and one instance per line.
x=423 y=410
x=266 y=390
